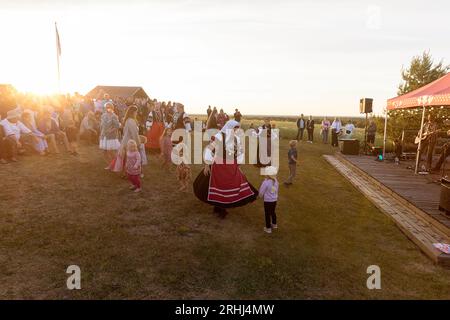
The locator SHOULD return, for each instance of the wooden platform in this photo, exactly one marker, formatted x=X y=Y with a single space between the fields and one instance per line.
x=422 y=191
x=418 y=225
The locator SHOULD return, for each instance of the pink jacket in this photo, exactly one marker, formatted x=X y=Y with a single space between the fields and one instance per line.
x=133 y=164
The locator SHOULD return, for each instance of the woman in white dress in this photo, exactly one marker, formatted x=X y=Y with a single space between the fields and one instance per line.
x=109 y=133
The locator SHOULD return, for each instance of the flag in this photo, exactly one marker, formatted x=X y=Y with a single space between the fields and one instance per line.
x=58 y=42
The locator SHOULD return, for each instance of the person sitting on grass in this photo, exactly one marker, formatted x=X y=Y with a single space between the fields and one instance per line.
x=133 y=166
x=49 y=127
x=68 y=124
x=269 y=193
x=292 y=162
x=3 y=150
x=16 y=134
x=39 y=142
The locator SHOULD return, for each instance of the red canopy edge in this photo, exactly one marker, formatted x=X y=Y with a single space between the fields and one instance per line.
x=438 y=93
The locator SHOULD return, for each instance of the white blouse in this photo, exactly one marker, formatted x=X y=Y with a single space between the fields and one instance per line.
x=209 y=155
x=14 y=129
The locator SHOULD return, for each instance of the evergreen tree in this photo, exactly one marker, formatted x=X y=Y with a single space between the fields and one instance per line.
x=421 y=71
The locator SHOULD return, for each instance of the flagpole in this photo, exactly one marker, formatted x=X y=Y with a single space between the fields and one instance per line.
x=58 y=52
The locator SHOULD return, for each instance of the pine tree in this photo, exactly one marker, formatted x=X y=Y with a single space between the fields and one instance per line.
x=421 y=71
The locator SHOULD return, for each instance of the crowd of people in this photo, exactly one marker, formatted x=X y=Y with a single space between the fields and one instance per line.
x=45 y=125
x=336 y=128
x=217 y=119
x=126 y=130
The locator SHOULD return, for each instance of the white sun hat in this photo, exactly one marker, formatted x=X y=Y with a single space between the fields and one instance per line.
x=270 y=171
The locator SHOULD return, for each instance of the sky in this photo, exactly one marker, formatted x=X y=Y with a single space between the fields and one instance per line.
x=282 y=57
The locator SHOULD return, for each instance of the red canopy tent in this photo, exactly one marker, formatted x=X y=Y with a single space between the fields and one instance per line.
x=437 y=92
x=434 y=94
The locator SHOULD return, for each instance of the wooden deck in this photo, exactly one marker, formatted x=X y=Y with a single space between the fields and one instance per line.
x=416 y=224
x=422 y=191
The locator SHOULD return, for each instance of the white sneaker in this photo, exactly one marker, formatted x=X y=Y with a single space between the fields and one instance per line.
x=267 y=230
x=274 y=226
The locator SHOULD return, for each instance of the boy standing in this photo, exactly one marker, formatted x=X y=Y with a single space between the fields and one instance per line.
x=292 y=160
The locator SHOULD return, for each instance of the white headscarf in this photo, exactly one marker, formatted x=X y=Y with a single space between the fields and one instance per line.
x=229 y=143
x=230 y=125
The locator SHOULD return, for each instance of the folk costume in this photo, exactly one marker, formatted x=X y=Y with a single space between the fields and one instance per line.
x=156 y=123
x=225 y=186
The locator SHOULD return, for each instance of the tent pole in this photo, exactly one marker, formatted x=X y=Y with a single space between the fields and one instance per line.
x=420 y=141
x=385 y=136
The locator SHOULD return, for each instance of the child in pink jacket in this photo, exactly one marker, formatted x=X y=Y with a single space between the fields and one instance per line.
x=133 y=166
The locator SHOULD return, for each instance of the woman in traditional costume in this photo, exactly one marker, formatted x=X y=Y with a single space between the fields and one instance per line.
x=109 y=133
x=156 y=119
x=130 y=132
x=180 y=118
x=222 y=183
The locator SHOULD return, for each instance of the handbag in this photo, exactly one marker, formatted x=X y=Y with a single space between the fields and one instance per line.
x=117 y=164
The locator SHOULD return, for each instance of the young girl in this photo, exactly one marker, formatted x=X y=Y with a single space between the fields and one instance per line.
x=133 y=166
x=269 y=192
x=292 y=162
x=166 y=147
x=184 y=174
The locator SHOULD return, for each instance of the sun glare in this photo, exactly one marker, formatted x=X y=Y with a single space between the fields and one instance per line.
x=41 y=86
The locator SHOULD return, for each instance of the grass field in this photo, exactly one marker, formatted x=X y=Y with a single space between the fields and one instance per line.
x=60 y=210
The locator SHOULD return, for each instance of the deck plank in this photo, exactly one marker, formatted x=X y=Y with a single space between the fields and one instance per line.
x=407 y=217
x=422 y=191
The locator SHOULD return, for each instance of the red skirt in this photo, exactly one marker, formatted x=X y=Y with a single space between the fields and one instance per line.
x=226 y=187
x=154 y=134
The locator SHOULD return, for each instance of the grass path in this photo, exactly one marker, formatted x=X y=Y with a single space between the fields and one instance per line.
x=59 y=211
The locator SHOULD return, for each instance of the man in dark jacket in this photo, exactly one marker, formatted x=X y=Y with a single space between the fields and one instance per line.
x=301 y=125
x=310 y=129
x=371 y=132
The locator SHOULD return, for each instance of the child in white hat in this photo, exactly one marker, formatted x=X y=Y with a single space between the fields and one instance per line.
x=269 y=192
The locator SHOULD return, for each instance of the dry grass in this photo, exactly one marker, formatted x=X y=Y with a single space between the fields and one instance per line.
x=62 y=210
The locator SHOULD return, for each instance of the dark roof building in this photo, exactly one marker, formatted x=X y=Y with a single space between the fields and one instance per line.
x=118 y=91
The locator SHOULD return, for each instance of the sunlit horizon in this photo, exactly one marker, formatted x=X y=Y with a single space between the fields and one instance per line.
x=268 y=58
